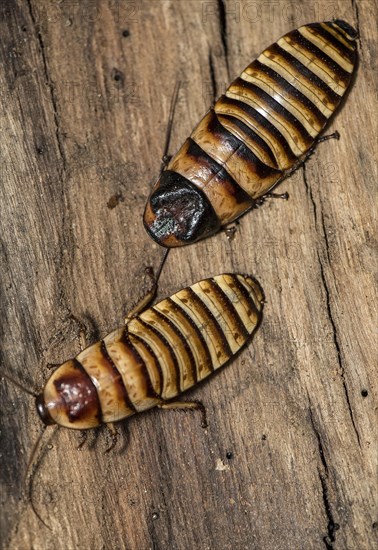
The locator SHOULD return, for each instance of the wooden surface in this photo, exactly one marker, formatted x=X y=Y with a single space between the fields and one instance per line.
x=289 y=460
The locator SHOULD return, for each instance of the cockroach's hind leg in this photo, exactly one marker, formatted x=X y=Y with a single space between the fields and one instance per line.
x=300 y=163
x=185 y=405
x=284 y=196
x=114 y=436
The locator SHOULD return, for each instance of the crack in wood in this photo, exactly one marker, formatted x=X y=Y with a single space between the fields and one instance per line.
x=336 y=342
x=320 y=445
x=356 y=11
x=213 y=79
x=223 y=31
x=328 y=303
x=62 y=170
x=309 y=193
x=50 y=86
x=332 y=525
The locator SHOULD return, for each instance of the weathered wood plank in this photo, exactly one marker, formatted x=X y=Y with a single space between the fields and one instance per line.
x=290 y=456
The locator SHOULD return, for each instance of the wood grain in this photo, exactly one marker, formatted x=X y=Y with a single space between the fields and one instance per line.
x=289 y=459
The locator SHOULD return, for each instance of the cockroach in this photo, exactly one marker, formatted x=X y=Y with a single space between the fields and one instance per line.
x=262 y=129
x=160 y=352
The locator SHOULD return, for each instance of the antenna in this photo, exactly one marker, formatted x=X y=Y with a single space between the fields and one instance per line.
x=19 y=385
x=29 y=475
x=28 y=478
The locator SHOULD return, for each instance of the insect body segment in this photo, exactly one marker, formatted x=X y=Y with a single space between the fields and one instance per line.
x=159 y=354
x=261 y=129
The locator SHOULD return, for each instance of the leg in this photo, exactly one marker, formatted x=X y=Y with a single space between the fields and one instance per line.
x=307 y=155
x=83 y=437
x=230 y=231
x=147 y=299
x=291 y=171
x=185 y=405
x=113 y=434
x=311 y=151
x=260 y=201
x=141 y=305
x=335 y=135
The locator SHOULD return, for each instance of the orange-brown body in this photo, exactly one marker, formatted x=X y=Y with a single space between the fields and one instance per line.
x=160 y=353
x=256 y=134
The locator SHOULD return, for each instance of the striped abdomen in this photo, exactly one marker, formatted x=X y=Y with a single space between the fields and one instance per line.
x=162 y=352
x=257 y=132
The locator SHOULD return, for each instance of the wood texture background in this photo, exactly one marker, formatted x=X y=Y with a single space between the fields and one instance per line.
x=85 y=93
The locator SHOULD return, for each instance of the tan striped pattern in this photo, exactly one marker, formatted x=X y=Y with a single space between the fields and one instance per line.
x=196 y=331
x=269 y=118
x=162 y=352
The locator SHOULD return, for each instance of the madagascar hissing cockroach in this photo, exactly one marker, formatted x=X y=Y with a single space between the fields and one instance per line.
x=159 y=353
x=265 y=125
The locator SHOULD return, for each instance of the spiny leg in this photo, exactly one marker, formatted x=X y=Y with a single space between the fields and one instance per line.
x=147 y=299
x=334 y=135
x=260 y=201
x=185 y=405
x=311 y=151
